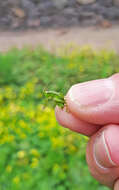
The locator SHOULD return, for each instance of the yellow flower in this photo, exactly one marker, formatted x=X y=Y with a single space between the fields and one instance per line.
x=23 y=124
x=34 y=163
x=13 y=108
x=28 y=89
x=57 y=142
x=21 y=154
x=34 y=152
x=16 y=180
x=72 y=148
x=31 y=114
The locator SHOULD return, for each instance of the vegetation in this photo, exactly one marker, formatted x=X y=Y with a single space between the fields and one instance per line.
x=35 y=152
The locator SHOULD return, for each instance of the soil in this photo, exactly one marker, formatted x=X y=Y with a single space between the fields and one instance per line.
x=52 y=39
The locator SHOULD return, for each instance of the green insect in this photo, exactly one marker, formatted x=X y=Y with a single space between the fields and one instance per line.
x=56 y=97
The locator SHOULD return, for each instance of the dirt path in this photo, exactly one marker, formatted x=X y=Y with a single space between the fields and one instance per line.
x=97 y=38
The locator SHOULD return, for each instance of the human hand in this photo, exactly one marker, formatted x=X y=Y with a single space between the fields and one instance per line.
x=94 y=111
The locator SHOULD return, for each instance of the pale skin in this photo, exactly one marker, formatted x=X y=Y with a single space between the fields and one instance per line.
x=94 y=111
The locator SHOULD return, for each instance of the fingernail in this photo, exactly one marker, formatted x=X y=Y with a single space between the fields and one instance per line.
x=112 y=140
x=92 y=93
x=102 y=154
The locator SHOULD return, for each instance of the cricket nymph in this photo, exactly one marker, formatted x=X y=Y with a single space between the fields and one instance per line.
x=57 y=97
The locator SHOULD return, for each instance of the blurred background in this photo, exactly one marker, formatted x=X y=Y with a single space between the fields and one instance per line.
x=49 y=44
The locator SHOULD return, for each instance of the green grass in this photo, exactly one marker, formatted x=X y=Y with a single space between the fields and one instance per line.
x=56 y=72
x=36 y=153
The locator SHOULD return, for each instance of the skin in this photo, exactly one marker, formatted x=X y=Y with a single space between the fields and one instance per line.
x=94 y=111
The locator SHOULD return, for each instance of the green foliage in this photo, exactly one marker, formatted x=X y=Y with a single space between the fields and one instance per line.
x=56 y=72
x=36 y=153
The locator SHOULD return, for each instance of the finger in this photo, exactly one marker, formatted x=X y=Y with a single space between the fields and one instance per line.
x=68 y=120
x=103 y=155
x=116 y=186
x=95 y=101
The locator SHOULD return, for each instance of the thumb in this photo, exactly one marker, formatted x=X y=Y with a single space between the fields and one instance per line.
x=95 y=101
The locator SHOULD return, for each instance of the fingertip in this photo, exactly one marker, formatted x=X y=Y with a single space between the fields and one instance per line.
x=68 y=120
x=59 y=116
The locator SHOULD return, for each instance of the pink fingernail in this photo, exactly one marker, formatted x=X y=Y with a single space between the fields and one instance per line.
x=101 y=153
x=112 y=140
x=106 y=147
x=92 y=93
